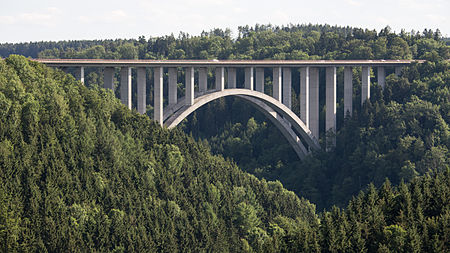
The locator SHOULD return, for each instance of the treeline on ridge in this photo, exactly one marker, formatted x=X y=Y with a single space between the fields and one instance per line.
x=259 y=42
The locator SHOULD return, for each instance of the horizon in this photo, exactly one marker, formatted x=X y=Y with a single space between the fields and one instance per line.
x=234 y=33
x=53 y=21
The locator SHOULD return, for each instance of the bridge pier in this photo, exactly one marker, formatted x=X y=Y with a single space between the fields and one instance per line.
x=231 y=78
x=277 y=83
x=348 y=91
x=141 y=90
x=381 y=77
x=79 y=75
x=330 y=119
x=398 y=71
x=125 y=86
x=108 y=79
x=314 y=101
x=249 y=78
x=190 y=86
x=287 y=87
x=158 y=96
x=304 y=95
x=365 y=80
x=260 y=79
x=173 y=85
x=220 y=79
x=202 y=80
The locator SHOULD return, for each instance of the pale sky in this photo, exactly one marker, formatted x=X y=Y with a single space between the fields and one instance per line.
x=53 y=20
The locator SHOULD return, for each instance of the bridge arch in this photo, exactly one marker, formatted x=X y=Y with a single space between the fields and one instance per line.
x=283 y=118
x=280 y=123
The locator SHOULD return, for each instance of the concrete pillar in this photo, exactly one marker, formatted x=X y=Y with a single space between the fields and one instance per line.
x=190 y=86
x=231 y=78
x=141 y=90
x=277 y=83
x=249 y=78
x=314 y=101
x=220 y=78
x=330 y=116
x=304 y=95
x=348 y=91
x=158 y=96
x=260 y=79
x=381 y=77
x=398 y=70
x=108 y=79
x=365 y=89
x=125 y=86
x=173 y=85
x=202 y=80
x=80 y=74
x=287 y=87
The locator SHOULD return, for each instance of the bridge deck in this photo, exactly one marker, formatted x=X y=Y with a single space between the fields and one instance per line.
x=219 y=63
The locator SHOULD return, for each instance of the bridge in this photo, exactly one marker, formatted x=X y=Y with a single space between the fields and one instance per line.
x=302 y=132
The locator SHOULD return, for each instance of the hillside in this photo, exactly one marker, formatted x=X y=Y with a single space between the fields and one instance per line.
x=80 y=172
x=368 y=143
x=229 y=127
x=401 y=133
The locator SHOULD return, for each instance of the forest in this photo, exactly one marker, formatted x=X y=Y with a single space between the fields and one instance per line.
x=80 y=172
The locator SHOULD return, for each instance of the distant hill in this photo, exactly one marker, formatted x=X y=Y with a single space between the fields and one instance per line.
x=447 y=41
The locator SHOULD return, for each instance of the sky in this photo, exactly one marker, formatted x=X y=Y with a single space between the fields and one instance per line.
x=54 y=20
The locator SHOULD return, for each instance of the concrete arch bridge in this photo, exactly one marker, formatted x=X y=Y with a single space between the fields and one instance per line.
x=301 y=131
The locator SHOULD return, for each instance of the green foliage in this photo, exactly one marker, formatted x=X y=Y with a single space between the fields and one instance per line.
x=80 y=172
x=258 y=42
x=401 y=133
